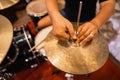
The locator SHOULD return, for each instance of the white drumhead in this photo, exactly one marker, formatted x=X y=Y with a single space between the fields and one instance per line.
x=40 y=37
x=36 y=8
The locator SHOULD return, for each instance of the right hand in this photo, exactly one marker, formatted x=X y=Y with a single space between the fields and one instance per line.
x=62 y=28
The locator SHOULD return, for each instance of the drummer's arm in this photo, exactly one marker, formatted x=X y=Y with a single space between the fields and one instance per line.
x=53 y=8
x=106 y=9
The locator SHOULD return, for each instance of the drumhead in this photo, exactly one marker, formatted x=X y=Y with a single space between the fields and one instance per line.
x=36 y=8
x=40 y=37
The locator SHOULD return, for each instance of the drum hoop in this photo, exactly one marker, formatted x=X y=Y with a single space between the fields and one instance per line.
x=36 y=14
x=26 y=37
x=12 y=60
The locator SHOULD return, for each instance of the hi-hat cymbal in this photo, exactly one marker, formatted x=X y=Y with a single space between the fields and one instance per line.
x=77 y=60
x=6 y=34
x=7 y=3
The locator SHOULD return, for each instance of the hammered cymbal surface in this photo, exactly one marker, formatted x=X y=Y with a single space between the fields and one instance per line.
x=77 y=60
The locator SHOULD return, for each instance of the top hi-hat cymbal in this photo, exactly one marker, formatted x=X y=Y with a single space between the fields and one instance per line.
x=6 y=34
x=7 y=3
x=77 y=60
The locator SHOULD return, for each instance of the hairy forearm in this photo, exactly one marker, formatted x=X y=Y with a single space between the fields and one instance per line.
x=105 y=12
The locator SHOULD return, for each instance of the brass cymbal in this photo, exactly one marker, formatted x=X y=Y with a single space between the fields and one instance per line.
x=6 y=34
x=77 y=60
x=7 y=3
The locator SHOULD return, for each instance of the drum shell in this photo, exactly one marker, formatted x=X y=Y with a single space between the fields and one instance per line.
x=23 y=38
x=35 y=18
x=10 y=57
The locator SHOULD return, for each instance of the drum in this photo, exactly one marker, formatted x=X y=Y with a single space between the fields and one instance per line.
x=39 y=39
x=8 y=51
x=23 y=38
x=10 y=58
x=22 y=42
x=6 y=67
x=36 y=10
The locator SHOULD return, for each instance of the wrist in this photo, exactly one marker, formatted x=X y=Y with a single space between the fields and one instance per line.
x=55 y=16
x=54 y=13
x=95 y=24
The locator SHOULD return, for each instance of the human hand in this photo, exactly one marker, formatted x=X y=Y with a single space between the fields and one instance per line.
x=86 y=32
x=62 y=28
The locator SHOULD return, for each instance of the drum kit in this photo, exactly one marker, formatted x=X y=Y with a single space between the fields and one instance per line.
x=19 y=43
x=15 y=44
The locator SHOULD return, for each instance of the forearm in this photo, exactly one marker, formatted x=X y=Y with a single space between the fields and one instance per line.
x=105 y=12
x=52 y=7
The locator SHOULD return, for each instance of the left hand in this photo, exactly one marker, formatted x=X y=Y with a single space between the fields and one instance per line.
x=86 y=32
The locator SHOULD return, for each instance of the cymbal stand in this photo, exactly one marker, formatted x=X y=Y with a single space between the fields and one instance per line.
x=79 y=14
x=77 y=25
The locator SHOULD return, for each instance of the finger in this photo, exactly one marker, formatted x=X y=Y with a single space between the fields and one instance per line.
x=82 y=43
x=88 y=38
x=85 y=34
x=79 y=29
x=71 y=31
x=61 y=34
x=82 y=31
x=64 y=36
x=80 y=38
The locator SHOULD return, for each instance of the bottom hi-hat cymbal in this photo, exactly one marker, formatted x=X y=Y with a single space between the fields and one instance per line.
x=6 y=34
x=77 y=60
